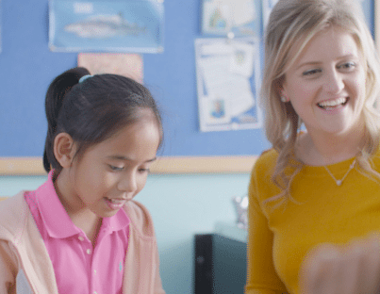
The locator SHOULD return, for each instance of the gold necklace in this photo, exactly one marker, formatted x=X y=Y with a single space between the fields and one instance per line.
x=339 y=182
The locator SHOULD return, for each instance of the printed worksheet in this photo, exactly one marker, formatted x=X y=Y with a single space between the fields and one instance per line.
x=228 y=77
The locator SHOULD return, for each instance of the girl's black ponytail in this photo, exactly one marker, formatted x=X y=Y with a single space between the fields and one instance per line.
x=55 y=96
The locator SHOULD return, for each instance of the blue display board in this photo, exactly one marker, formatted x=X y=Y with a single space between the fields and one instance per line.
x=27 y=67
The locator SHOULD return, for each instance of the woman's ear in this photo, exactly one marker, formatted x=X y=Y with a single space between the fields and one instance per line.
x=281 y=90
x=64 y=149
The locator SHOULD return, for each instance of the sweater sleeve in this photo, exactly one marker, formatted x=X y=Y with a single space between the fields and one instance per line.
x=157 y=280
x=142 y=261
x=261 y=274
x=8 y=268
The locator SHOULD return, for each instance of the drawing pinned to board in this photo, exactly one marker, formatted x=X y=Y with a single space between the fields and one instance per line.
x=129 y=65
x=239 y=17
x=106 y=25
x=228 y=77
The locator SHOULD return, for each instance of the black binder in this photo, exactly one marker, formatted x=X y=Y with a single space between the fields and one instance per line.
x=220 y=265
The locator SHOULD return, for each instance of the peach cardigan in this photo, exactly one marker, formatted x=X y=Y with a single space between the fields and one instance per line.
x=25 y=266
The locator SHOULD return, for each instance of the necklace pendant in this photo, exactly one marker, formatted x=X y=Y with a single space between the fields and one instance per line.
x=339 y=182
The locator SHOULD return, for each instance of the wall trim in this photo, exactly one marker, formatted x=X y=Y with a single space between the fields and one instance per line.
x=32 y=166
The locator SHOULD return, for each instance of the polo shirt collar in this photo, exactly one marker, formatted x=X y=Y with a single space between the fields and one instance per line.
x=57 y=221
x=116 y=223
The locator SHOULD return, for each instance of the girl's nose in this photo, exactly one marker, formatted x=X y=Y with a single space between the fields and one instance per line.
x=128 y=183
x=334 y=82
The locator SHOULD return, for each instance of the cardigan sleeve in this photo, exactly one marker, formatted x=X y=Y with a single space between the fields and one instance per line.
x=8 y=268
x=157 y=280
x=142 y=261
x=262 y=277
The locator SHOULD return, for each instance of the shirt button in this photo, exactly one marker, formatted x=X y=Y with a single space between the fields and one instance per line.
x=88 y=251
x=80 y=238
x=94 y=272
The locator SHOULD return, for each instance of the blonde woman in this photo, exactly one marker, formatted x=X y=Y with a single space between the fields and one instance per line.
x=314 y=211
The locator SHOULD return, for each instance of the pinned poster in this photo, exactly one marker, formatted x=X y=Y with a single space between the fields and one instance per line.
x=236 y=17
x=106 y=25
x=228 y=78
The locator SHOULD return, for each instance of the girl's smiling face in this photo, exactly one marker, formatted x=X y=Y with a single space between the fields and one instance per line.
x=112 y=172
x=326 y=83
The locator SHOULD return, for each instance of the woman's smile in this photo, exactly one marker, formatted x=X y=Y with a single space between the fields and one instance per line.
x=333 y=103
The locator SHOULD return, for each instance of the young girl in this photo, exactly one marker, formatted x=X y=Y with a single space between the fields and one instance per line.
x=81 y=232
x=315 y=196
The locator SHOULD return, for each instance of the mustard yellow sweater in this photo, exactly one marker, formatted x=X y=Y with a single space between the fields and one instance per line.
x=279 y=239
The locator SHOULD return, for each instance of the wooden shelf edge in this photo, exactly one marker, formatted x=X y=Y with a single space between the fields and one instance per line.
x=21 y=166
x=207 y=164
x=32 y=166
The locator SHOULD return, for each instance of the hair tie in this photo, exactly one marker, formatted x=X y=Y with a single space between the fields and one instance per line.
x=85 y=77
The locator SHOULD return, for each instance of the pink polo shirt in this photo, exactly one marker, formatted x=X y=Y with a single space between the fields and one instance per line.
x=78 y=267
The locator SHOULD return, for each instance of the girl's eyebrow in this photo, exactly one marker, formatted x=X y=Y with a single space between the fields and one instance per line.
x=121 y=157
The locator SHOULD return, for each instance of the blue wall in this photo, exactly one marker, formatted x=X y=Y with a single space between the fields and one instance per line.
x=27 y=68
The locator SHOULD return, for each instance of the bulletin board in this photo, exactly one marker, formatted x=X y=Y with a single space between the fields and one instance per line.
x=28 y=67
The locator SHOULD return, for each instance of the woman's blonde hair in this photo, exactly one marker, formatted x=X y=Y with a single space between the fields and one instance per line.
x=292 y=24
